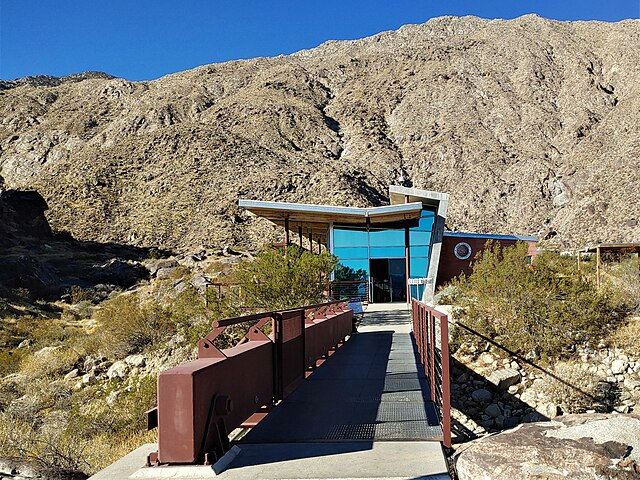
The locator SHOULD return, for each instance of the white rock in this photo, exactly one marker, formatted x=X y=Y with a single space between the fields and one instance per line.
x=72 y=374
x=135 y=360
x=504 y=378
x=45 y=351
x=618 y=366
x=24 y=343
x=632 y=384
x=118 y=370
x=112 y=397
x=89 y=379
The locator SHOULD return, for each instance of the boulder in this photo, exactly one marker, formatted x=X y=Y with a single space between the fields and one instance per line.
x=72 y=374
x=493 y=410
x=135 y=361
x=619 y=366
x=504 y=378
x=482 y=395
x=119 y=369
x=587 y=446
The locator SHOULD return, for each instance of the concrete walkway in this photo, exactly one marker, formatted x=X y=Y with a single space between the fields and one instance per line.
x=364 y=414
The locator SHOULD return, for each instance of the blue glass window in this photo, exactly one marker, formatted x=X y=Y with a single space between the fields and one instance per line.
x=418 y=266
x=356 y=264
x=351 y=252
x=347 y=237
x=417 y=237
x=385 y=238
x=387 y=252
x=427 y=219
x=419 y=251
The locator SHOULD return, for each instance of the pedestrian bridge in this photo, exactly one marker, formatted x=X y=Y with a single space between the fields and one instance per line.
x=311 y=397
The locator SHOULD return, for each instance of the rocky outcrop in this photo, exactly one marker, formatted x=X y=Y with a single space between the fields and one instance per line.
x=530 y=124
x=580 y=447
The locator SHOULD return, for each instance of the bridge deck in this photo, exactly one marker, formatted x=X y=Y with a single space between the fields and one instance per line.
x=365 y=413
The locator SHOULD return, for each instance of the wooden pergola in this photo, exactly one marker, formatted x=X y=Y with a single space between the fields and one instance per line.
x=601 y=248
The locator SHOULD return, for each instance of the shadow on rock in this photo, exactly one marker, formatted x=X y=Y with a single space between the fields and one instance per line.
x=37 y=263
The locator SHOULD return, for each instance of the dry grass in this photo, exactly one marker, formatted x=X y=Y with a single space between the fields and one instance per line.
x=627 y=337
x=578 y=390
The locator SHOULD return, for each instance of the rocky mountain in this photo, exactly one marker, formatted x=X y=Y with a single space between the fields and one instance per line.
x=532 y=126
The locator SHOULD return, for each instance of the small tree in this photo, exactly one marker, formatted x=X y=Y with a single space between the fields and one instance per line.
x=542 y=309
x=277 y=279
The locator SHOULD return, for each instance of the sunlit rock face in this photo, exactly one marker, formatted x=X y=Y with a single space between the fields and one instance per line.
x=531 y=125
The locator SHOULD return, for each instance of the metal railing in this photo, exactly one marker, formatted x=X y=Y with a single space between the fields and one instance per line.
x=349 y=289
x=431 y=333
x=199 y=402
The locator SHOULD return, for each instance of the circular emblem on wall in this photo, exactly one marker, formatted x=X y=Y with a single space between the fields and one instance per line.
x=462 y=250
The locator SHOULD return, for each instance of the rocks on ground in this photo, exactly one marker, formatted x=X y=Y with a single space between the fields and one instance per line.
x=579 y=447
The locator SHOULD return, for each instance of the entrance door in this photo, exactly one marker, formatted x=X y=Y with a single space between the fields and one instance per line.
x=388 y=280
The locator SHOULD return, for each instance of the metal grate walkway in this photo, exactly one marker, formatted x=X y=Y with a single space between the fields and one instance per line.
x=365 y=413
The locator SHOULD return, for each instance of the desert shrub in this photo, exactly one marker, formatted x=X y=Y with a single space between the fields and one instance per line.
x=627 y=336
x=52 y=446
x=276 y=279
x=78 y=294
x=623 y=279
x=127 y=325
x=539 y=310
x=51 y=361
x=577 y=390
x=10 y=361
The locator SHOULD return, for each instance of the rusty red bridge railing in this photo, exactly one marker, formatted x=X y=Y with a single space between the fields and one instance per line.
x=200 y=402
x=431 y=333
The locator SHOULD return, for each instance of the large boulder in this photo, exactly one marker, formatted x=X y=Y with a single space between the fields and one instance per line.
x=588 y=446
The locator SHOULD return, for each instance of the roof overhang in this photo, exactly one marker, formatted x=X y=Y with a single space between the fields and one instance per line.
x=613 y=247
x=492 y=236
x=317 y=216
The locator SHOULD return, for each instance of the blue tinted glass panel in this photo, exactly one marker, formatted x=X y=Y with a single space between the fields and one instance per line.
x=418 y=266
x=416 y=291
x=351 y=252
x=343 y=237
x=419 y=238
x=387 y=252
x=383 y=238
x=356 y=264
x=419 y=251
x=426 y=223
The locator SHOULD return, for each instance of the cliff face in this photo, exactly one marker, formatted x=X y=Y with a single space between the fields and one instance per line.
x=532 y=126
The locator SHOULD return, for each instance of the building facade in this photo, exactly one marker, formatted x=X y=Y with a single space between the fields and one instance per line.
x=393 y=251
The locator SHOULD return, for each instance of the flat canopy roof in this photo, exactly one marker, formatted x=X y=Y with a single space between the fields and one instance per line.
x=320 y=216
x=613 y=247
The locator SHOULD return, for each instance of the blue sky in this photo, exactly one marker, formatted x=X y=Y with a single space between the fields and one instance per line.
x=143 y=39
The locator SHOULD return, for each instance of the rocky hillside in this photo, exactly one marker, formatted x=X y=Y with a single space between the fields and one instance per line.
x=532 y=125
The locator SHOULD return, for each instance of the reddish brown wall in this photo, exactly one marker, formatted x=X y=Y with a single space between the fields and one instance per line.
x=450 y=266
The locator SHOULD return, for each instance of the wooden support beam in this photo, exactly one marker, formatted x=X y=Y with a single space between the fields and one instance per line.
x=300 y=235
x=579 y=262
x=286 y=231
x=598 y=267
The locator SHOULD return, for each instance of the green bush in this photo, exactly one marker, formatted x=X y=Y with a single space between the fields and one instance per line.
x=127 y=325
x=539 y=310
x=275 y=280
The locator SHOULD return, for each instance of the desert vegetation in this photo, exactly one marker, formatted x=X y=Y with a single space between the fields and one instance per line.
x=545 y=308
x=76 y=382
